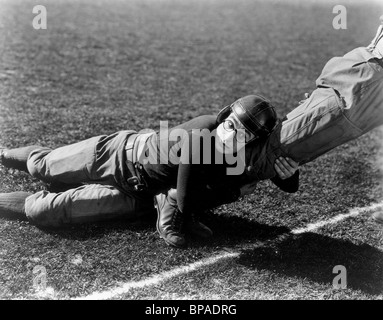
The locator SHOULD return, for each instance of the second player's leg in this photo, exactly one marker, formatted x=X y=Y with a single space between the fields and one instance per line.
x=330 y=117
x=326 y=119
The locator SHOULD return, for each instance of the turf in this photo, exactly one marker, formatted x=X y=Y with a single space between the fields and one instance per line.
x=103 y=66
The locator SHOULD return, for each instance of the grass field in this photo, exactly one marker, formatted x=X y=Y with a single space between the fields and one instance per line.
x=103 y=66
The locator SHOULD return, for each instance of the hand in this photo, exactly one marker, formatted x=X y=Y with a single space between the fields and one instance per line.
x=307 y=95
x=285 y=167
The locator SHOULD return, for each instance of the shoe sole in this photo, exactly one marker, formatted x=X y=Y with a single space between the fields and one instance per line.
x=169 y=243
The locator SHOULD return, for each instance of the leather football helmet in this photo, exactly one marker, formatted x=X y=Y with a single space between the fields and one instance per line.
x=255 y=113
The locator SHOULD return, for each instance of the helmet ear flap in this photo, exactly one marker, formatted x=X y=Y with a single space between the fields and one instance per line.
x=223 y=114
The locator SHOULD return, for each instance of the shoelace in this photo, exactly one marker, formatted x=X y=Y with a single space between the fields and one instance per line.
x=177 y=221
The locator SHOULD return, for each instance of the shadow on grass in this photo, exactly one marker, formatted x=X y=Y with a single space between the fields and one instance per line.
x=97 y=230
x=228 y=231
x=232 y=231
x=313 y=256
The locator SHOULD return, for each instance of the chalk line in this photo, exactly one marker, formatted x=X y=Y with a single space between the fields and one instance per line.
x=161 y=277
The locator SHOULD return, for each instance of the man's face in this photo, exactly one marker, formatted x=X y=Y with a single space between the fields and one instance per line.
x=231 y=135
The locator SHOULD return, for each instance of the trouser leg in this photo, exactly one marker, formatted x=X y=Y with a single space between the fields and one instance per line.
x=69 y=164
x=313 y=128
x=88 y=203
x=323 y=122
x=98 y=159
x=319 y=125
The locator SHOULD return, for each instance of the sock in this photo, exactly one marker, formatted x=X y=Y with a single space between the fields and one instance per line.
x=12 y=205
x=17 y=158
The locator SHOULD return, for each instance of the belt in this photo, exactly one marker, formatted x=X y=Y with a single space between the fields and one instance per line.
x=134 y=148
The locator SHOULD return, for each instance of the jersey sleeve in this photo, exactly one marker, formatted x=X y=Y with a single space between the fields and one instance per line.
x=195 y=190
x=191 y=179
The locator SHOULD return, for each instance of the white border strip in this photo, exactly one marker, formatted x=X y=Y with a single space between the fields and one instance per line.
x=153 y=280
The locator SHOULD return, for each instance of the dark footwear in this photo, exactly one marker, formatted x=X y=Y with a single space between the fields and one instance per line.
x=192 y=225
x=169 y=222
x=197 y=228
x=378 y=217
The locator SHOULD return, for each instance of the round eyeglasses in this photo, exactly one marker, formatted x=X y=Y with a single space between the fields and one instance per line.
x=240 y=134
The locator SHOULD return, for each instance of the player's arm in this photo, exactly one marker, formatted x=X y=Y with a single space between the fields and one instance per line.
x=287 y=178
x=195 y=196
x=193 y=190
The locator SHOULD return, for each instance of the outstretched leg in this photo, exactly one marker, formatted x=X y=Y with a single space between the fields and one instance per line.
x=68 y=164
x=97 y=159
x=88 y=203
x=347 y=103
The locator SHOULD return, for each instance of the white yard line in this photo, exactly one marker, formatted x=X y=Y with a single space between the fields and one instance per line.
x=352 y=213
x=153 y=280
x=161 y=277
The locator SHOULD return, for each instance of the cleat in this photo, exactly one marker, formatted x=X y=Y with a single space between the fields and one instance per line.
x=169 y=222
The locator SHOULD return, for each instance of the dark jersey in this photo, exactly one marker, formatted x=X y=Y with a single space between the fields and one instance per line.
x=187 y=160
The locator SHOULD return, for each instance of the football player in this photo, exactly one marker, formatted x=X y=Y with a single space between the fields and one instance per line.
x=347 y=103
x=119 y=174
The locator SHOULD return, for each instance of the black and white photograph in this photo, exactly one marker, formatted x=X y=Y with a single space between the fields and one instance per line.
x=191 y=155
